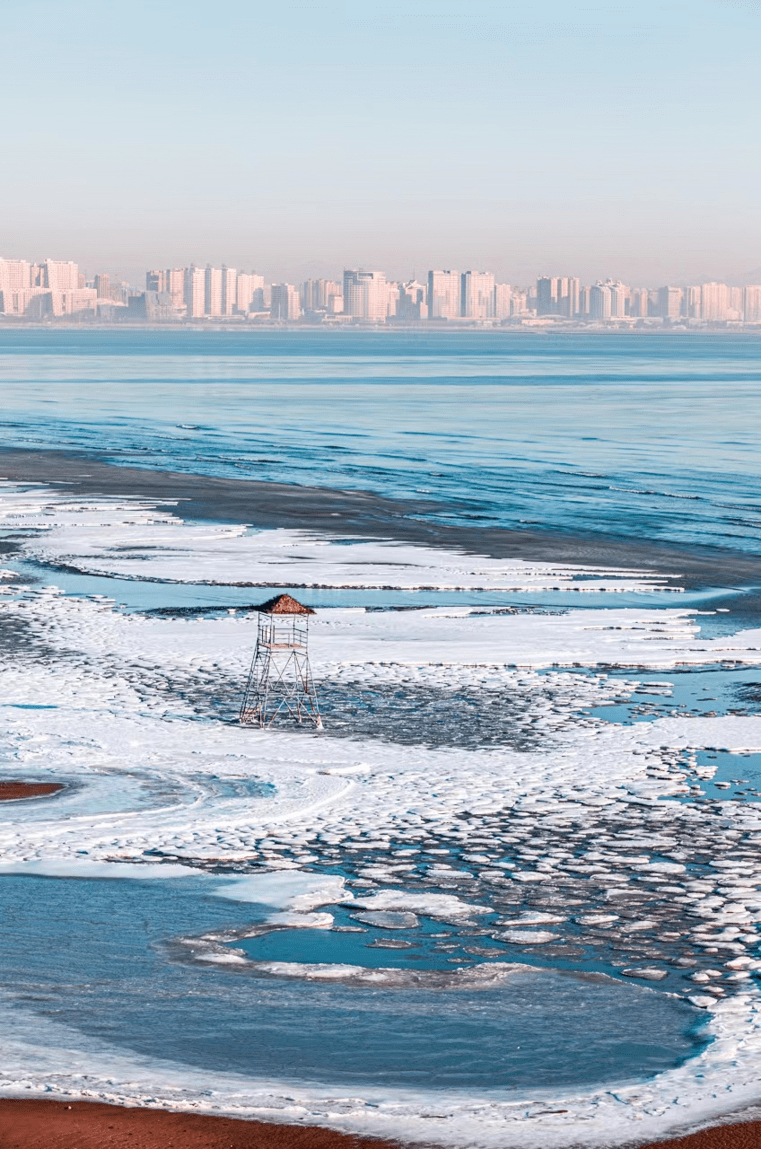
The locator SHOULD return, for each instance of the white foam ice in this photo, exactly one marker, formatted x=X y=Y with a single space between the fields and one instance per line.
x=133 y=539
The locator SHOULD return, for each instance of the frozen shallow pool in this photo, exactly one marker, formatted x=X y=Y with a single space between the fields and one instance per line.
x=93 y=954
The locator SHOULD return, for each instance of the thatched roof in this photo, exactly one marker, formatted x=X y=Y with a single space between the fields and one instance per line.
x=283 y=604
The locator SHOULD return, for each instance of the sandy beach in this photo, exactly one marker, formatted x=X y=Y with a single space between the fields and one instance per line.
x=27 y=1124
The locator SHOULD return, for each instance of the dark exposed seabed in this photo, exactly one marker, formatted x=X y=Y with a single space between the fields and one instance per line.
x=340 y=512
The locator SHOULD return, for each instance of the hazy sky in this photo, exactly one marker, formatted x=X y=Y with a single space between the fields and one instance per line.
x=591 y=138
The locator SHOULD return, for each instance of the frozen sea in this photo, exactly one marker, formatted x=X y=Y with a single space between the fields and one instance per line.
x=511 y=893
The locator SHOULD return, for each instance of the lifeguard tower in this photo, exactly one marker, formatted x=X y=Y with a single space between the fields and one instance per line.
x=280 y=679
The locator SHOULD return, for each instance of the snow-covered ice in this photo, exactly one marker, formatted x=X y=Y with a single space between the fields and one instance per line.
x=562 y=838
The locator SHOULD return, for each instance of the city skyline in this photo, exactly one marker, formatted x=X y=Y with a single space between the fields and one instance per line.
x=60 y=290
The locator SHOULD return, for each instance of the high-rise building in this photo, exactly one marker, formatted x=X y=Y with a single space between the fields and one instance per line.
x=558 y=295
x=366 y=295
x=752 y=304
x=285 y=302
x=246 y=288
x=15 y=275
x=213 y=289
x=60 y=275
x=569 y=302
x=736 y=308
x=174 y=285
x=444 y=295
x=316 y=294
x=154 y=280
x=519 y=301
x=413 y=301
x=103 y=286
x=503 y=301
x=195 y=292
x=477 y=300
x=608 y=300
x=639 y=302
x=619 y=299
x=548 y=288
x=229 y=290
x=692 y=303
x=600 y=301
x=670 y=302
x=714 y=301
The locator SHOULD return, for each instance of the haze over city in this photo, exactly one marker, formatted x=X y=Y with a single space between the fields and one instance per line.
x=612 y=141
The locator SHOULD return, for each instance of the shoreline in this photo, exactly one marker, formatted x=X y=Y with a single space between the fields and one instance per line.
x=270 y=505
x=32 y=1123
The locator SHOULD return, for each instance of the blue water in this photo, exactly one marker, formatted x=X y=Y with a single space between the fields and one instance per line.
x=642 y=435
x=113 y=980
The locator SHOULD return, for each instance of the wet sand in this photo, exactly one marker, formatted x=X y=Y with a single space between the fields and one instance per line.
x=363 y=513
x=13 y=791
x=33 y=1124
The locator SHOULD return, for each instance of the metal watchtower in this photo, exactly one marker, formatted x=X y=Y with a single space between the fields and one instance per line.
x=280 y=679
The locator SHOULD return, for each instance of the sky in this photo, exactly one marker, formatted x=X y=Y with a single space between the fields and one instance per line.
x=595 y=139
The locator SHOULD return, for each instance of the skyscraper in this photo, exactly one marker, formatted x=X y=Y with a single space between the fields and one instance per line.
x=547 y=295
x=229 y=290
x=639 y=302
x=600 y=301
x=693 y=306
x=477 y=295
x=174 y=284
x=670 y=302
x=285 y=302
x=412 y=302
x=316 y=294
x=503 y=300
x=60 y=275
x=444 y=295
x=154 y=280
x=15 y=275
x=752 y=303
x=366 y=295
x=213 y=290
x=103 y=286
x=246 y=289
x=714 y=301
x=195 y=292
x=558 y=295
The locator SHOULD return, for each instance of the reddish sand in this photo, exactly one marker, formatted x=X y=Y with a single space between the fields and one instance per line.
x=86 y=1125
x=12 y=791
x=747 y=1136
